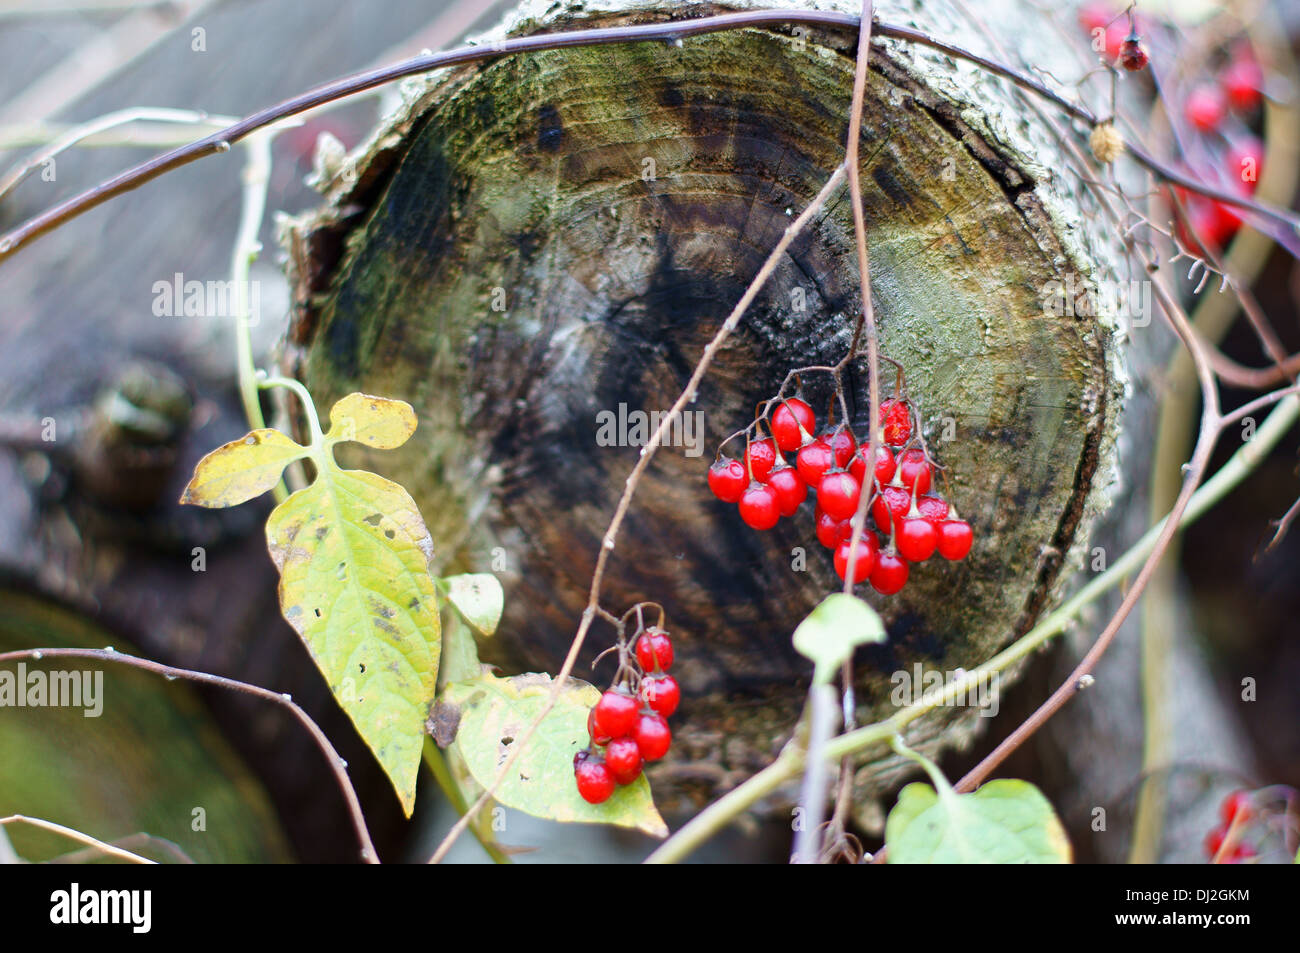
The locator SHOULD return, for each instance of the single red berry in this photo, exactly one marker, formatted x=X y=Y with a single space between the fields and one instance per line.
x=654 y=650
x=615 y=714
x=814 y=459
x=598 y=737
x=727 y=479
x=868 y=551
x=884 y=464
x=896 y=422
x=955 y=538
x=1226 y=222
x=917 y=538
x=1233 y=855
x=838 y=494
x=1242 y=80
x=623 y=758
x=759 y=507
x=1095 y=16
x=790 y=489
x=890 y=574
x=761 y=457
x=890 y=506
x=933 y=508
x=1245 y=161
x=1236 y=806
x=1133 y=54
x=661 y=693
x=842 y=443
x=830 y=530
x=787 y=419
x=1205 y=108
x=595 y=781
x=1201 y=226
x=653 y=737
x=914 y=470
x=1214 y=842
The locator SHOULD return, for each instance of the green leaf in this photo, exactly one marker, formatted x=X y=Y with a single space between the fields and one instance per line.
x=353 y=554
x=1004 y=822
x=242 y=469
x=495 y=712
x=378 y=422
x=830 y=633
x=353 y=557
x=460 y=661
x=479 y=597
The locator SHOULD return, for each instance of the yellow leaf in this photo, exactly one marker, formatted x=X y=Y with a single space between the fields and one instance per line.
x=377 y=422
x=242 y=469
x=353 y=555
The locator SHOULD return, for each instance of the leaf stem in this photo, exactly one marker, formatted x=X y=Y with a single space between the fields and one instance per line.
x=442 y=774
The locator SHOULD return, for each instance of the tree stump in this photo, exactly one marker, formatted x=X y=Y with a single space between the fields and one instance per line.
x=540 y=238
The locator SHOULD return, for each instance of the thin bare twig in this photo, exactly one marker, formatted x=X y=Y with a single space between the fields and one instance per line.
x=336 y=764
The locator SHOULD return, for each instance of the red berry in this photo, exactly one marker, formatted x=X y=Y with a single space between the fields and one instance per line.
x=598 y=737
x=616 y=714
x=790 y=489
x=623 y=758
x=1236 y=806
x=955 y=538
x=1245 y=161
x=653 y=737
x=1234 y=855
x=933 y=508
x=914 y=469
x=890 y=574
x=830 y=530
x=890 y=506
x=759 y=507
x=788 y=417
x=842 y=443
x=661 y=693
x=916 y=538
x=1133 y=54
x=761 y=457
x=814 y=459
x=727 y=479
x=1214 y=842
x=1095 y=16
x=654 y=650
x=1226 y=222
x=595 y=782
x=896 y=422
x=1242 y=81
x=838 y=494
x=1205 y=108
x=868 y=552
x=884 y=464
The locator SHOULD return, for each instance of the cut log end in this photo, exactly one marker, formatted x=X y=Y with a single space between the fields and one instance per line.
x=555 y=238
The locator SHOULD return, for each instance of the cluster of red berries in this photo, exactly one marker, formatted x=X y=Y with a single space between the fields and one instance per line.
x=630 y=727
x=914 y=522
x=1238 y=89
x=1235 y=811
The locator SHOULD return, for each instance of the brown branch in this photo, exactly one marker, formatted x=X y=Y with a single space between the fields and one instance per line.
x=671 y=30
